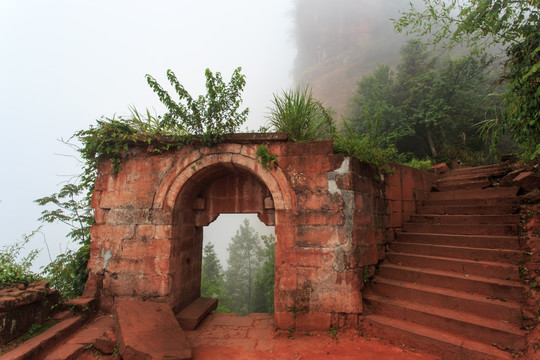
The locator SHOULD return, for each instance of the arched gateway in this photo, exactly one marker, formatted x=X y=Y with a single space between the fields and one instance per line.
x=329 y=212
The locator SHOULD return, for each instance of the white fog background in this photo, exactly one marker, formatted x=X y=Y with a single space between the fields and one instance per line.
x=64 y=64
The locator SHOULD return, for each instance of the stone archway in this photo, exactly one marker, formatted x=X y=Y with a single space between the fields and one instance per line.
x=205 y=188
x=329 y=213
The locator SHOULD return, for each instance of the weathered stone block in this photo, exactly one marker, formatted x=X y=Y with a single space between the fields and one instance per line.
x=319 y=236
x=341 y=300
x=284 y=320
x=313 y=320
x=286 y=277
x=112 y=232
x=311 y=257
x=315 y=217
x=139 y=321
x=190 y=317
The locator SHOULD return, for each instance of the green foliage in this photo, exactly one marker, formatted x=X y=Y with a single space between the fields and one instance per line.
x=245 y=257
x=268 y=160
x=106 y=140
x=209 y=117
x=15 y=269
x=71 y=209
x=249 y=278
x=366 y=148
x=523 y=94
x=67 y=272
x=205 y=120
x=428 y=108
x=481 y=24
x=263 y=294
x=419 y=164
x=303 y=118
x=212 y=282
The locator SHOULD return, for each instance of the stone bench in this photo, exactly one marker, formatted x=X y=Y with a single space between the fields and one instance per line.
x=192 y=315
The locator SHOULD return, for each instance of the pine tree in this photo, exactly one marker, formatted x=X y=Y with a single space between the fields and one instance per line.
x=263 y=294
x=212 y=282
x=245 y=257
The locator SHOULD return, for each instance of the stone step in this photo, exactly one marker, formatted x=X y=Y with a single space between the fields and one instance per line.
x=465 y=219
x=66 y=352
x=453 y=299
x=493 y=168
x=472 y=176
x=495 y=288
x=473 y=326
x=493 y=270
x=34 y=348
x=190 y=317
x=488 y=202
x=467 y=209
x=149 y=330
x=490 y=193
x=506 y=257
x=462 y=185
x=98 y=335
x=463 y=229
x=463 y=177
x=430 y=339
x=472 y=241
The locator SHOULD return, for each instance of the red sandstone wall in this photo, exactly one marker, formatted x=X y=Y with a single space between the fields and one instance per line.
x=404 y=188
x=329 y=212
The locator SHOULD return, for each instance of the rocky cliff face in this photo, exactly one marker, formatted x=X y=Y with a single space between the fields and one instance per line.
x=339 y=41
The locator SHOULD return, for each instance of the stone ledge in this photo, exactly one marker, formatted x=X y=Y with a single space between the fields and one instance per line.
x=192 y=315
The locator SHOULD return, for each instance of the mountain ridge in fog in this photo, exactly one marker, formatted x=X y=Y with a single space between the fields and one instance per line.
x=339 y=41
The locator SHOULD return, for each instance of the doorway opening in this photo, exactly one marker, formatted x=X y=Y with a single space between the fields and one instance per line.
x=238 y=264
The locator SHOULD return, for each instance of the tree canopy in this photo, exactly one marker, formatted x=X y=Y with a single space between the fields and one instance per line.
x=513 y=25
x=427 y=107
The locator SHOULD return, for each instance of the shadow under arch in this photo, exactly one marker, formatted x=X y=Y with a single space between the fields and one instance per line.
x=201 y=190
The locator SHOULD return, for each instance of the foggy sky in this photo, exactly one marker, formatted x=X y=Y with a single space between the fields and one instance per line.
x=64 y=64
x=339 y=41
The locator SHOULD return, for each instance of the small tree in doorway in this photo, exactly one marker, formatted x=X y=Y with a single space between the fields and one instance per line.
x=212 y=282
x=245 y=257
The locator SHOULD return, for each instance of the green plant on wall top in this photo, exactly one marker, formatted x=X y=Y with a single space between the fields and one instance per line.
x=303 y=118
x=210 y=116
x=205 y=120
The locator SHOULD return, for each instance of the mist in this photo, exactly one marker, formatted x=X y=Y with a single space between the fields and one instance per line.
x=221 y=231
x=339 y=41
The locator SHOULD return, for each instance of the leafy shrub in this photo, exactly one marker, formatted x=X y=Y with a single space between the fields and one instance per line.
x=303 y=118
x=67 y=273
x=15 y=269
x=208 y=117
x=365 y=148
x=419 y=164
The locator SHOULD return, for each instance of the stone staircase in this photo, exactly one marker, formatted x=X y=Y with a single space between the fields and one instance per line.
x=450 y=284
